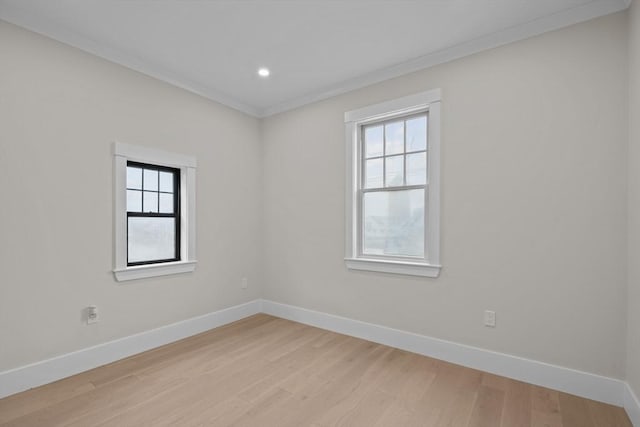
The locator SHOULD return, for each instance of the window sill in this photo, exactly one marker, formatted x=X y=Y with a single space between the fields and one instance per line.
x=394 y=267
x=154 y=270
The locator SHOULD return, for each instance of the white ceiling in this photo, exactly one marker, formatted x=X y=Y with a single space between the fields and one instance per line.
x=315 y=49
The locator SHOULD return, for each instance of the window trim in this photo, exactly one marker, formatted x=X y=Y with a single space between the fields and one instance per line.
x=429 y=102
x=123 y=153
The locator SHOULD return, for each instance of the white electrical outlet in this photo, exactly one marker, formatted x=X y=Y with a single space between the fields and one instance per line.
x=92 y=314
x=490 y=318
x=244 y=283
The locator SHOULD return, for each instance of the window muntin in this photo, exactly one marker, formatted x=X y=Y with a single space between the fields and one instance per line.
x=393 y=189
x=153 y=214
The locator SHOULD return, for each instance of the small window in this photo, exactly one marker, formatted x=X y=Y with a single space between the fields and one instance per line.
x=393 y=186
x=154 y=212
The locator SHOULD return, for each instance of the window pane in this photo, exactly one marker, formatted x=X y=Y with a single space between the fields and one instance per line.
x=166 y=203
x=166 y=182
x=150 y=180
x=417 y=168
x=134 y=178
x=134 y=201
x=394 y=171
x=394 y=223
x=373 y=173
x=150 y=202
x=417 y=134
x=373 y=141
x=151 y=239
x=394 y=134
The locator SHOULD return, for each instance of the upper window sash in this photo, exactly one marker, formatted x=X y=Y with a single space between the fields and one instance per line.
x=406 y=153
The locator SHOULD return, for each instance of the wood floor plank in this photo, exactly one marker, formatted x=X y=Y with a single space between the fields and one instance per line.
x=545 y=408
x=157 y=359
x=396 y=414
x=33 y=400
x=574 y=411
x=264 y=371
x=282 y=369
x=436 y=399
x=338 y=388
x=365 y=387
x=222 y=415
x=269 y=401
x=487 y=410
x=69 y=410
x=517 y=405
x=603 y=416
x=366 y=411
x=463 y=399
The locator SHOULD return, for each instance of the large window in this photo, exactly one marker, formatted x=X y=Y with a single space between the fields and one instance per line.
x=393 y=186
x=154 y=212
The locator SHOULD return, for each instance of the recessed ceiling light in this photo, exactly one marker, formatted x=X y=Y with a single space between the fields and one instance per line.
x=263 y=72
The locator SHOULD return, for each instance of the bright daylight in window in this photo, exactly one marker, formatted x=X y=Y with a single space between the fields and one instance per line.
x=154 y=212
x=393 y=186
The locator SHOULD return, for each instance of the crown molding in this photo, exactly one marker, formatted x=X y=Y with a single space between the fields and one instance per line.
x=539 y=26
x=533 y=28
x=51 y=30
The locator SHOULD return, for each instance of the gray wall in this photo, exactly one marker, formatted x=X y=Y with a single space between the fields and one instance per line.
x=60 y=110
x=534 y=145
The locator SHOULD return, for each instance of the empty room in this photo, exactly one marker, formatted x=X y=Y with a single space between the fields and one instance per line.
x=320 y=213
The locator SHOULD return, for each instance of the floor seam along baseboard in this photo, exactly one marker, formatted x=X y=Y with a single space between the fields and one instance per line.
x=583 y=384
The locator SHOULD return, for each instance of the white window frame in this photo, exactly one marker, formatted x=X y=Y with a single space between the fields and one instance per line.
x=429 y=266
x=122 y=153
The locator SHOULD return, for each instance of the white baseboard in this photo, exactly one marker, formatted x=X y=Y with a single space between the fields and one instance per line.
x=583 y=384
x=37 y=374
x=632 y=405
x=596 y=387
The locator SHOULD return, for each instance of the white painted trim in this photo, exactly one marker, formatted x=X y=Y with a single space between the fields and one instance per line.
x=584 y=384
x=153 y=270
x=632 y=405
x=394 y=267
x=187 y=165
x=46 y=371
x=394 y=107
x=351 y=186
x=575 y=15
x=119 y=212
x=189 y=246
x=432 y=241
x=140 y=153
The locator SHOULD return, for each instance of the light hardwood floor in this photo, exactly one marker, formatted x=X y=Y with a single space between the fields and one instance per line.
x=264 y=371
